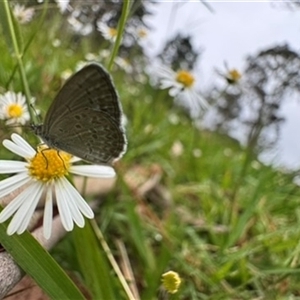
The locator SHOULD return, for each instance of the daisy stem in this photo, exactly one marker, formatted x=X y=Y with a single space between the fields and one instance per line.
x=18 y=55
x=111 y=259
x=121 y=26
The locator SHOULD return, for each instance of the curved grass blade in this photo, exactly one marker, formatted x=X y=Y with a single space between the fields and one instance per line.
x=38 y=263
x=94 y=264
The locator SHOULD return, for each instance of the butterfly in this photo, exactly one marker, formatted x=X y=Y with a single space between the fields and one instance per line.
x=85 y=118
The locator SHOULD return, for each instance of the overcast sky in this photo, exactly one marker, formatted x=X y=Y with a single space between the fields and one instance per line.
x=232 y=32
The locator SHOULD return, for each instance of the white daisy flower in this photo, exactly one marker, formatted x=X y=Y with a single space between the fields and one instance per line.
x=181 y=85
x=141 y=33
x=22 y=14
x=109 y=33
x=233 y=76
x=44 y=171
x=13 y=108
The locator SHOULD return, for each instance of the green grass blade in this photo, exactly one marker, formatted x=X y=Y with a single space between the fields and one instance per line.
x=93 y=263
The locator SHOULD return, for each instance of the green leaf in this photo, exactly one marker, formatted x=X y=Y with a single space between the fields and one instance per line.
x=94 y=264
x=38 y=263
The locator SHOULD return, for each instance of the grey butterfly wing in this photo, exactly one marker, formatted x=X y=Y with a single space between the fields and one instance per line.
x=85 y=118
x=93 y=136
x=90 y=87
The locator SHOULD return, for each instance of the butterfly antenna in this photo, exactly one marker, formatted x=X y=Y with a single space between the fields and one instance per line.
x=42 y=152
x=58 y=153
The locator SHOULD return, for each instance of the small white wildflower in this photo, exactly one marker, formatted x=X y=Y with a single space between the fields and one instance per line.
x=22 y=14
x=109 y=33
x=13 y=108
x=181 y=85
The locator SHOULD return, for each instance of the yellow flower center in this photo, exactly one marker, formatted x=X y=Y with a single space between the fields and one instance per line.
x=185 y=78
x=112 y=32
x=142 y=33
x=171 y=281
x=15 y=110
x=49 y=164
x=234 y=75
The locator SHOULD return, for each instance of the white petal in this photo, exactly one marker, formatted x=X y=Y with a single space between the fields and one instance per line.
x=22 y=143
x=12 y=166
x=74 y=159
x=192 y=101
x=27 y=209
x=202 y=101
x=164 y=71
x=63 y=208
x=17 y=149
x=79 y=201
x=168 y=82
x=75 y=212
x=48 y=214
x=16 y=203
x=76 y=215
x=13 y=206
x=12 y=183
x=93 y=171
x=165 y=84
x=174 y=91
